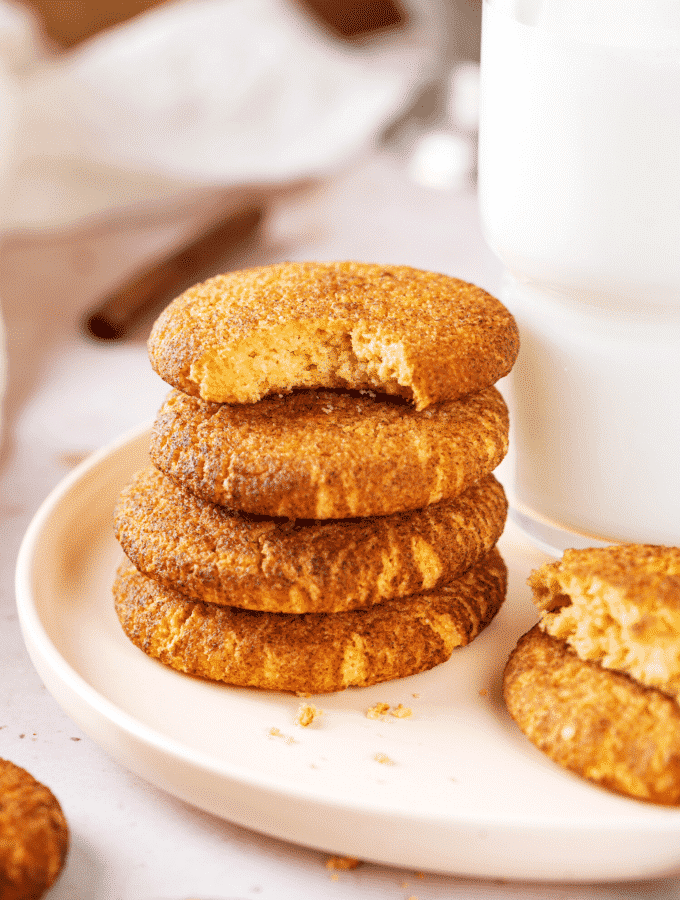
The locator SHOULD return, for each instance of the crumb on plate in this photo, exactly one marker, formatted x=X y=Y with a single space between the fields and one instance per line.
x=277 y=733
x=377 y=711
x=384 y=759
x=306 y=714
x=382 y=709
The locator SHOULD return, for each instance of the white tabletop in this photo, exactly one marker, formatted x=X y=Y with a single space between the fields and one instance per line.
x=66 y=397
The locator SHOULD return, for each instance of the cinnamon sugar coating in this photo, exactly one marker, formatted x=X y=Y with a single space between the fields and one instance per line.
x=421 y=335
x=314 y=652
x=326 y=454
x=214 y=554
x=618 y=606
x=34 y=835
x=602 y=725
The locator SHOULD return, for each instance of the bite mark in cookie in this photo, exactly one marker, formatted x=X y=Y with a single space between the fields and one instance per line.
x=421 y=335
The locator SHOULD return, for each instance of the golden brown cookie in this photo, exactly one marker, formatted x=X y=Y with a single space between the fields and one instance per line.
x=394 y=329
x=618 y=606
x=33 y=835
x=329 y=455
x=210 y=553
x=600 y=724
x=314 y=652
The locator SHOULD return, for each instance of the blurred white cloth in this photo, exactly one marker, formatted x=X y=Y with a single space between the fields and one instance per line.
x=195 y=92
x=190 y=95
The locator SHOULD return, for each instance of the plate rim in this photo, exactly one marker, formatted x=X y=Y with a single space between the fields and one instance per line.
x=35 y=632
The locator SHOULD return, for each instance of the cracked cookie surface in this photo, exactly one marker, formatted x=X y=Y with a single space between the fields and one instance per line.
x=34 y=835
x=313 y=652
x=601 y=725
x=328 y=454
x=618 y=606
x=421 y=335
x=214 y=554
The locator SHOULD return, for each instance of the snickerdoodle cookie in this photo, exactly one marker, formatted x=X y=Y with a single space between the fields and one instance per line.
x=34 y=835
x=313 y=652
x=329 y=454
x=421 y=335
x=596 y=682
x=600 y=724
x=210 y=553
x=618 y=606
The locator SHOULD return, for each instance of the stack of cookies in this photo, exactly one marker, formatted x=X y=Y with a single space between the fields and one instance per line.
x=321 y=510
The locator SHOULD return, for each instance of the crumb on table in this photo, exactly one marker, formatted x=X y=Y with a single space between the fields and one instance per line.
x=342 y=862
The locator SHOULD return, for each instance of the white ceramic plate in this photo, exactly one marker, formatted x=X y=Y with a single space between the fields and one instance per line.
x=455 y=788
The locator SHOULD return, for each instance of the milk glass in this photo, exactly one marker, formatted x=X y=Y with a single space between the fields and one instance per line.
x=579 y=191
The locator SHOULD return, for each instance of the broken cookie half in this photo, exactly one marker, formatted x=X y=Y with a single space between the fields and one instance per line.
x=595 y=684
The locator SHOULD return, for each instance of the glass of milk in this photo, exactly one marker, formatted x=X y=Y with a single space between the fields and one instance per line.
x=579 y=189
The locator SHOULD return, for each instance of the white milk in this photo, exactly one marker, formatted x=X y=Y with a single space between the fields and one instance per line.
x=579 y=190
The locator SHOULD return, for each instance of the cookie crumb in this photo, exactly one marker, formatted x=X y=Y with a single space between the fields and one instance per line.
x=384 y=759
x=306 y=714
x=277 y=733
x=380 y=710
x=377 y=711
x=568 y=732
x=342 y=862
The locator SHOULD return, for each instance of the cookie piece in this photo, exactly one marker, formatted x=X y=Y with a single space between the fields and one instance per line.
x=33 y=835
x=394 y=329
x=618 y=606
x=315 y=652
x=600 y=724
x=210 y=553
x=329 y=455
